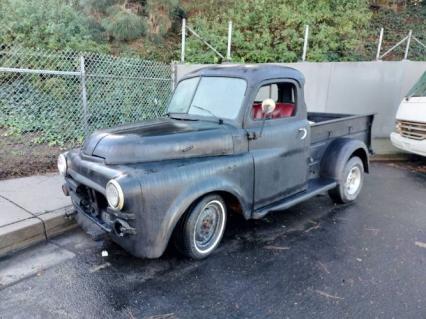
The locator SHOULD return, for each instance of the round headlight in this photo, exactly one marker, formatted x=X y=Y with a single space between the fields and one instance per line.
x=114 y=194
x=62 y=164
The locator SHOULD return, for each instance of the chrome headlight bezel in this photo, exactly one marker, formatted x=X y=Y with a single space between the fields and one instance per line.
x=398 y=126
x=114 y=195
x=62 y=164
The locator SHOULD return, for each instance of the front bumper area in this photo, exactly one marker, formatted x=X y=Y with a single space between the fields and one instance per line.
x=92 y=204
x=409 y=145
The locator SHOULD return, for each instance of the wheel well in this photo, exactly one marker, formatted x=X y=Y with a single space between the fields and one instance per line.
x=232 y=203
x=363 y=156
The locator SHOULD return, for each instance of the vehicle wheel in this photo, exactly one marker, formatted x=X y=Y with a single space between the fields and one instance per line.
x=350 y=182
x=202 y=227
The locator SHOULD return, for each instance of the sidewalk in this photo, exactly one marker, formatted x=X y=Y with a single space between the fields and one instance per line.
x=32 y=209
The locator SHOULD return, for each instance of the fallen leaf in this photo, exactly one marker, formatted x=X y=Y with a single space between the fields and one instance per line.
x=323 y=293
x=277 y=247
x=165 y=316
x=312 y=228
x=375 y=231
x=324 y=267
x=99 y=267
x=420 y=244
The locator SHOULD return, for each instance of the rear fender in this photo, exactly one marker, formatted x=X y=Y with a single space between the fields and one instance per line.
x=338 y=153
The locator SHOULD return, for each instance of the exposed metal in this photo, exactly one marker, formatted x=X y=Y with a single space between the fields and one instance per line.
x=418 y=41
x=36 y=71
x=305 y=43
x=183 y=39
x=84 y=96
x=228 y=51
x=205 y=42
x=353 y=180
x=407 y=47
x=413 y=130
x=379 y=46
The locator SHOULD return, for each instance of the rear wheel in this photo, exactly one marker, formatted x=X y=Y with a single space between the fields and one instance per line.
x=350 y=182
x=202 y=228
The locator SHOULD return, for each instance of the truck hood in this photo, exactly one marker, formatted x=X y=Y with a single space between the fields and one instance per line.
x=158 y=140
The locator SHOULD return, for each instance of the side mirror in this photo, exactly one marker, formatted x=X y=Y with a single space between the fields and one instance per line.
x=268 y=106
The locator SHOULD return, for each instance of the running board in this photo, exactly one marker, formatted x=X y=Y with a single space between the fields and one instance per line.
x=315 y=186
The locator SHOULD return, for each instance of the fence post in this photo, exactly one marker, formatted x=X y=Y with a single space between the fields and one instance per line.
x=228 y=51
x=173 y=75
x=379 y=46
x=84 y=96
x=305 y=43
x=182 y=53
x=408 y=44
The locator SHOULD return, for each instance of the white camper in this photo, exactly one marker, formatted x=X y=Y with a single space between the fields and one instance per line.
x=410 y=131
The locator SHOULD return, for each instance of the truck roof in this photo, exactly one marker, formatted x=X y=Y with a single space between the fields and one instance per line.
x=253 y=73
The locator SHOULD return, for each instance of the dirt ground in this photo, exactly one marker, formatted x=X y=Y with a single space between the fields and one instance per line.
x=416 y=164
x=20 y=157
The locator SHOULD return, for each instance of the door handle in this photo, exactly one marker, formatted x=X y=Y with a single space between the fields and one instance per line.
x=304 y=131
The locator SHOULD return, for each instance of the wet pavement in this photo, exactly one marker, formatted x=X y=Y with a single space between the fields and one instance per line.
x=315 y=260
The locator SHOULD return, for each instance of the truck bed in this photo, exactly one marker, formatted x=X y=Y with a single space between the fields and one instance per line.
x=326 y=127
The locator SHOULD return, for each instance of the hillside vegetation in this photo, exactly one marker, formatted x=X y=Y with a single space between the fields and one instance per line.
x=264 y=30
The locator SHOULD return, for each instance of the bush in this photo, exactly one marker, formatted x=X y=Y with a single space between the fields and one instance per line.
x=48 y=24
x=271 y=31
x=124 y=26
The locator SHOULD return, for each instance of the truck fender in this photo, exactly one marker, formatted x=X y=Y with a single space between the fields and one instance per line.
x=338 y=153
x=189 y=196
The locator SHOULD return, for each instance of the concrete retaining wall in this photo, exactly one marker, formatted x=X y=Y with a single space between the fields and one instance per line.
x=354 y=87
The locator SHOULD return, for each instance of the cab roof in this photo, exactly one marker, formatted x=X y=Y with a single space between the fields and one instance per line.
x=253 y=73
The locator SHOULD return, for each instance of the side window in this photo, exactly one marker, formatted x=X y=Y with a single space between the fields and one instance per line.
x=284 y=95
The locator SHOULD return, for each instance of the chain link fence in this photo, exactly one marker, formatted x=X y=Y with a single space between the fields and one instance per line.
x=50 y=101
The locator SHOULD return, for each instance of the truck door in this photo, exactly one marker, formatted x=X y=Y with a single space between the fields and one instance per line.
x=280 y=150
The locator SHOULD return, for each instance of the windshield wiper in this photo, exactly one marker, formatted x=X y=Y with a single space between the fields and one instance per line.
x=208 y=111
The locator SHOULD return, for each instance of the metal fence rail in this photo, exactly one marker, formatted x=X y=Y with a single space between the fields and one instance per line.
x=50 y=101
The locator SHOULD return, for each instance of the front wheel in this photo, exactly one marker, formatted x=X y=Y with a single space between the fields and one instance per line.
x=350 y=182
x=202 y=227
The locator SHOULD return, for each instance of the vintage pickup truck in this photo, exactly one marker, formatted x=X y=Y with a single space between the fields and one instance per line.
x=236 y=139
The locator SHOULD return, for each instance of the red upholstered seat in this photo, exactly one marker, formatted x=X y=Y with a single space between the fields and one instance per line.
x=281 y=110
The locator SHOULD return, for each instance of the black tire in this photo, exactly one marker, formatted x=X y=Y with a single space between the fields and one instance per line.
x=195 y=224
x=345 y=191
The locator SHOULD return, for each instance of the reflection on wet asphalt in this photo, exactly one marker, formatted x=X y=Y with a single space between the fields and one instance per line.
x=315 y=260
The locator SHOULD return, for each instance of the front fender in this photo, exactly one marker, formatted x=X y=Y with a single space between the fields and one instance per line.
x=190 y=195
x=338 y=153
x=168 y=194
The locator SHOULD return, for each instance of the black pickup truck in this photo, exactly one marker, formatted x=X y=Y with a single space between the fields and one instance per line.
x=236 y=139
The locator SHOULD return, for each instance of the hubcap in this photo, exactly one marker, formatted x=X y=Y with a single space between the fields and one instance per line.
x=207 y=225
x=353 y=181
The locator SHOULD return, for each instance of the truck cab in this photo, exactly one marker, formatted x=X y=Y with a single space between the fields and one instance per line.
x=410 y=129
x=235 y=140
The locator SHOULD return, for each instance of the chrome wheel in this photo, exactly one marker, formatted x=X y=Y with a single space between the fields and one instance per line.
x=353 y=180
x=209 y=226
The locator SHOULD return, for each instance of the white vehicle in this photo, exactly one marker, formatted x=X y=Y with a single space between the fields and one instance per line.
x=410 y=132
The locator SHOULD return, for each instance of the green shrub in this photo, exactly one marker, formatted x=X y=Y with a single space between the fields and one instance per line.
x=124 y=25
x=271 y=31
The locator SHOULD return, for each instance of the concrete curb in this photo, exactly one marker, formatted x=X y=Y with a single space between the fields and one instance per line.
x=28 y=232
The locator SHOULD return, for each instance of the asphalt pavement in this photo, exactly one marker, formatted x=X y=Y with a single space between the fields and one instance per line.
x=315 y=260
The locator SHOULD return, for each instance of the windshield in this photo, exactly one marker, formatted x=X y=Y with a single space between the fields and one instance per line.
x=219 y=97
x=419 y=89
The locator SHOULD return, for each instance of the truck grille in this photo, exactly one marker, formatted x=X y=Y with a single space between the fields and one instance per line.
x=413 y=130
